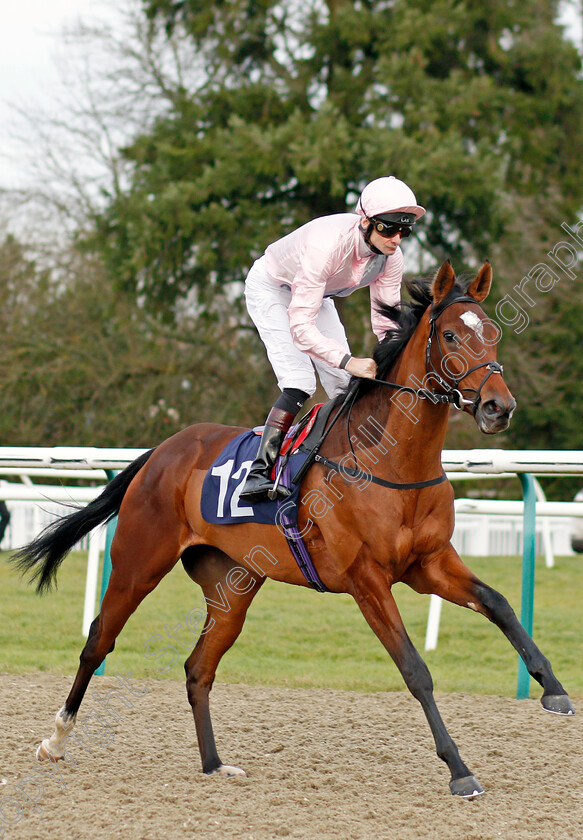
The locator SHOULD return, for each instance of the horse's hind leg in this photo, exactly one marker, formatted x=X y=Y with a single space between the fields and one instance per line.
x=228 y=590
x=449 y=578
x=140 y=559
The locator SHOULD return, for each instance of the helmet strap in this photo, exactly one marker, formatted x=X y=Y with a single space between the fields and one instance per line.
x=367 y=234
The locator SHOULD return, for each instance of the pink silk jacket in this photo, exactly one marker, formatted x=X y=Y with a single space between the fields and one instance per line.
x=324 y=258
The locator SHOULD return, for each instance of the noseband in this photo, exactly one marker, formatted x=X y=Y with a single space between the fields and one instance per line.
x=453 y=395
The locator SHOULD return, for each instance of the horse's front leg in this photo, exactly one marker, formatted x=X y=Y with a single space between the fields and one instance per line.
x=370 y=588
x=448 y=577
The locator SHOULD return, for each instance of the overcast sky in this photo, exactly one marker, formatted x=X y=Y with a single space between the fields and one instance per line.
x=31 y=36
x=30 y=39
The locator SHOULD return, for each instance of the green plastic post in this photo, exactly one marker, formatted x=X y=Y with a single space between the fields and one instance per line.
x=106 y=570
x=528 y=555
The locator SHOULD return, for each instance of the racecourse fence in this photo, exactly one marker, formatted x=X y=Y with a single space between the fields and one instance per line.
x=483 y=526
x=475 y=535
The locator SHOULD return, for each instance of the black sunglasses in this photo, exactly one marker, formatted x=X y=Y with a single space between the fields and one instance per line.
x=387 y=230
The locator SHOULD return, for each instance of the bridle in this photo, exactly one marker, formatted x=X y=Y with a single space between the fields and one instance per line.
x=453 y=395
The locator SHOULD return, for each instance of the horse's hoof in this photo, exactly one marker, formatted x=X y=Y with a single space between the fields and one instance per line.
x=558 y=704
x=468 y=787
x=228 y=771
x=43 y=752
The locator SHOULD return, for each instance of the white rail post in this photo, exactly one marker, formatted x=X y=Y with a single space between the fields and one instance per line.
x=435 y=604
x=91 y=581
x=546 y=528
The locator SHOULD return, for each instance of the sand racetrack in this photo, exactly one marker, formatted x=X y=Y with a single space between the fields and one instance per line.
x=320 y=763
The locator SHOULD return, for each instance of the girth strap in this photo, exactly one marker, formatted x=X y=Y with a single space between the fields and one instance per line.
x=286 y=519
x=394 y=485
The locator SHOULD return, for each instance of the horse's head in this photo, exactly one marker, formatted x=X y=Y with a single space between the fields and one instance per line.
x=461 y=350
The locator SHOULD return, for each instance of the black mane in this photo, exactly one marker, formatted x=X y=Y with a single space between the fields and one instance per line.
x=406 y=317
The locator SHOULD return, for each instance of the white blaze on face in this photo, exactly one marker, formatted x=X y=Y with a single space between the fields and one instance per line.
x=472 y=321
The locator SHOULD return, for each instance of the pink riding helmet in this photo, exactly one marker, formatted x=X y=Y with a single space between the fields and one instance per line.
x=388 y=195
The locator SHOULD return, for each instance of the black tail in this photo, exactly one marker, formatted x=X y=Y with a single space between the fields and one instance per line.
x=45 y=553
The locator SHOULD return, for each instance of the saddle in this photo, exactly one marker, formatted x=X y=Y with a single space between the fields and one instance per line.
x=309 y=429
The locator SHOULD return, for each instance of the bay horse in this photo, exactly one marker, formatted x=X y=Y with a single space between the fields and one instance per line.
x=371 y=534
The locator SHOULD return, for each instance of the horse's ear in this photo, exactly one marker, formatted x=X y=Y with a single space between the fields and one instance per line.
x=443 y=283
x=480 y=287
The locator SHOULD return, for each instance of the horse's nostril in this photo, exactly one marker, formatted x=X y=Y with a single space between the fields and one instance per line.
x=492 y=408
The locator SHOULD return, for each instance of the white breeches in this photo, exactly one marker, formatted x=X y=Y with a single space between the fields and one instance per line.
x=267 y=305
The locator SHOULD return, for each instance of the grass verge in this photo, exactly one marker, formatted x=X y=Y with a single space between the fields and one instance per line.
x=295 y=637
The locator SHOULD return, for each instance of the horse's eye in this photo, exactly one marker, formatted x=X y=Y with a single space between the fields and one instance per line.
x=448 y=335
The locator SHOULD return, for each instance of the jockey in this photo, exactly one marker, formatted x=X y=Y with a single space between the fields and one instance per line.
x=289 y=293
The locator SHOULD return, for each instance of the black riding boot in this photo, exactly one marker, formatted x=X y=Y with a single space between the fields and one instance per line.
x=259 y=481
